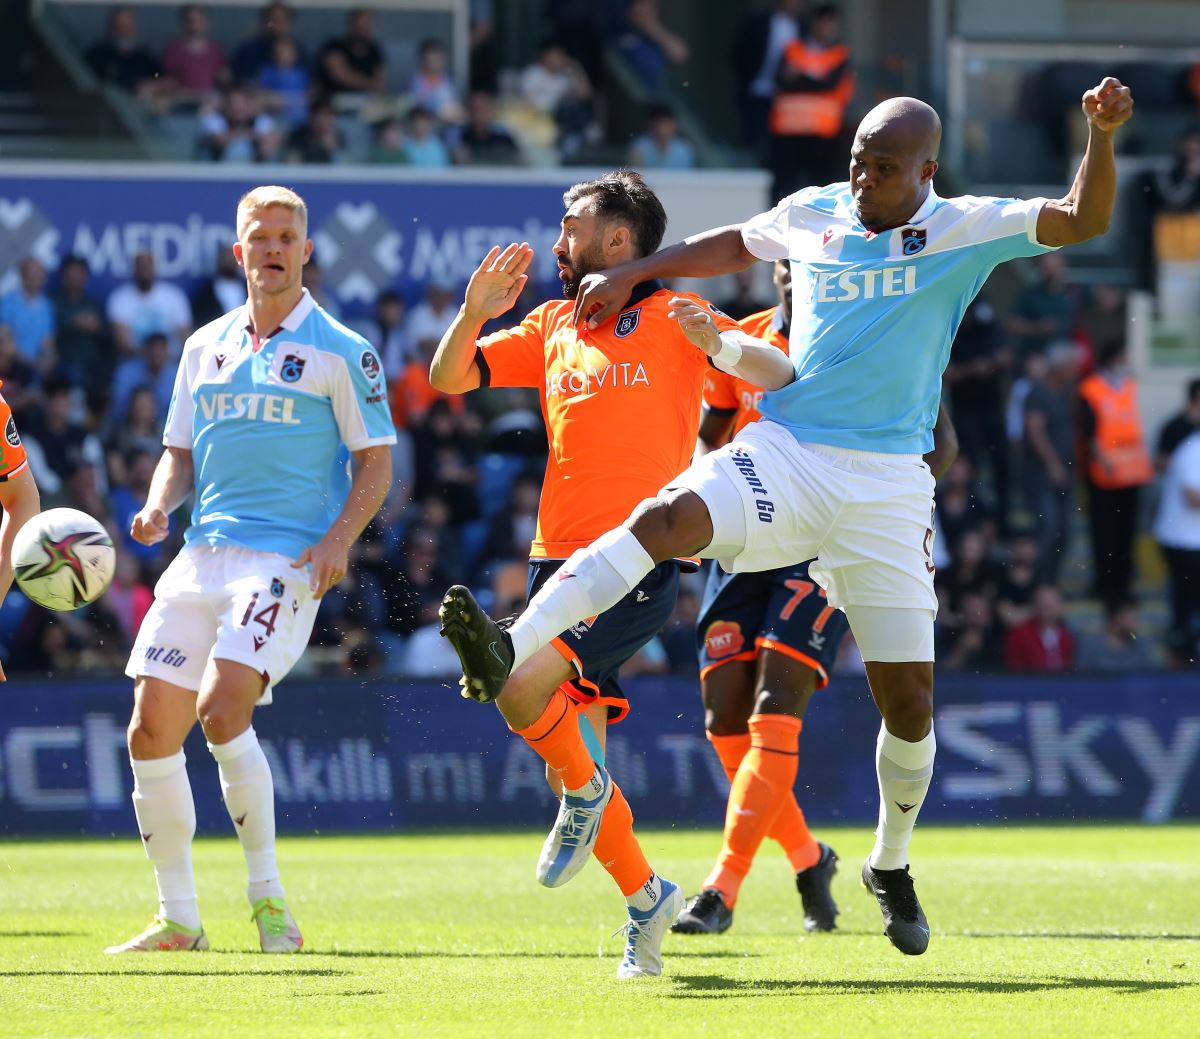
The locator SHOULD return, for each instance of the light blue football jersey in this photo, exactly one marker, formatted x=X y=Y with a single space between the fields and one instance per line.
x=271 y=429
x=873 y=315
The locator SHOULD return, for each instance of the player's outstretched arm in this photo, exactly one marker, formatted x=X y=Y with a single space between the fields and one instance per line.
x=169 y=488
x=735 y=352
x=1087 y=208
x=720 y=251
x=330 y=556
x=21 y=501
x=492 y=290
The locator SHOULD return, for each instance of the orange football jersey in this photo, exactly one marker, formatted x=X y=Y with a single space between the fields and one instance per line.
x=621 y=403
x=12 y=451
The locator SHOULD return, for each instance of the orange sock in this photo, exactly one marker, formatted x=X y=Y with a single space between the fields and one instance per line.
x=789 y=828
x=763 y=782
x=618 y=849
x=555 y=737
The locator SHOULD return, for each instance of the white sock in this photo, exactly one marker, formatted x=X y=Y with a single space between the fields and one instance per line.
x=591 y=581
x=590 y=790
x=646 y=897
x=166 y=815
x=905 y=770
x=250 y=798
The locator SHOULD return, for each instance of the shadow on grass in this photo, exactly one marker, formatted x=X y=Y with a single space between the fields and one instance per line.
x=308 y=972
x=483 y=954
x=712 y=987
x=40 y=934
x=1098 y=936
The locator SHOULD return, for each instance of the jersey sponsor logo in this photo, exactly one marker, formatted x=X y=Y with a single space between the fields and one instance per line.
x=167 y=655
x=292 y=368
x=763 y=504
x=866 y=284
x=912 y=240
x=589 y=380
x=723 y=639
x=370 y=365
x=256 y=407
x=627 y=322
x=11 y=434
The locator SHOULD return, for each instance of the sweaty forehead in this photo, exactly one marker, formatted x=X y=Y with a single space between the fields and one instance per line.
x=581 y=209
x=272 y=218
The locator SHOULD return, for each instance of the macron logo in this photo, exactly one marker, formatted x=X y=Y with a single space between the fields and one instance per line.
x=255 y=407
x=874 y=283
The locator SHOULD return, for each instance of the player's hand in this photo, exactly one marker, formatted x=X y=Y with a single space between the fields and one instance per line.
x=149 y=526
x=329 y=560
x=498 y=281
x=1108 y=105
x=697 y=324
x=601 y=295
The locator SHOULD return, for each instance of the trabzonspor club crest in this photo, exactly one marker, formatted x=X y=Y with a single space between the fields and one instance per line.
x=627 y=322
x=912 y=240
x=292 y=368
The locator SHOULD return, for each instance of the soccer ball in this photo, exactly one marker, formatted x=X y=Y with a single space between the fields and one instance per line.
x=63 y=559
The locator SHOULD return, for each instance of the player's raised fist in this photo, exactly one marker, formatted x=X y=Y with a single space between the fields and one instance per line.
x=1108 y=105
x=498 y=281
x=149 y=526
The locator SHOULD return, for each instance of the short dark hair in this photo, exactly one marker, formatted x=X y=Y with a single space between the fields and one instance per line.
x=430 y=43
x=1194 y=390
x=623 y=196
x=1109 y=351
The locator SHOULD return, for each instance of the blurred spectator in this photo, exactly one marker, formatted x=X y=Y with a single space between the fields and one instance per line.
x=813 y=88
x=648 y=46
x=194 y=62
x=319 y=140
x=314 y=280
x=446 y=448
x=481 y=141
x=1177 y=529
x=18 y=376
x=483 y=59
x=1045 y=312
x=556 y=85
x=388 y=333
x=1116 y=467
x=387 y=144
x=973 y=642
x=354 y=63
x=512 y=528
x=286 y=82
x=423 y=146
x=762 y=38
x=746 y=299
x=223 y=292
x=57 y=444
x=1179 y=426
x=152 y=367
x=127 y=498
x=128 y=597
x=959 y=508
x=27 y=310
x=678 y=638
x=1175 y=189
x=1043 y=643
x=1117 y=647
x=237 y=130
x=1101 y=317
x=1048 y=453
x=136 y=430
x=275 y=24
x=85 y=348
x=121 y=60
x=432 y=316
x=146 y=305
x=971 y=571
x=660 y=146
x=415 y=588
x=431 y=87
x=974 y=379
x=1018 y=579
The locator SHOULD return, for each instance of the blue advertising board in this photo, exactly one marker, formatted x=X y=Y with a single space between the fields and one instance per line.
x=389 y=755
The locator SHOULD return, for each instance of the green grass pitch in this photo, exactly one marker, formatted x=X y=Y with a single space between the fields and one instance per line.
x=1049 y=931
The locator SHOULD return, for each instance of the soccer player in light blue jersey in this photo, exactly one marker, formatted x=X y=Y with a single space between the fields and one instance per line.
x=272 y=401
x=883 y=269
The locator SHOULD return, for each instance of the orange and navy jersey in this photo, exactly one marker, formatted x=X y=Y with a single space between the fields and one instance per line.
x=726 y=394
x=12 y=451
x=621 y=403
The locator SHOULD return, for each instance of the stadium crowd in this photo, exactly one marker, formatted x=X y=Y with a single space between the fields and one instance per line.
x=1029 y=385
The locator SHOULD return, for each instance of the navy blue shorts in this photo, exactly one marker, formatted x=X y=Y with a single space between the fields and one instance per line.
x=597 y=647
x=784 y=610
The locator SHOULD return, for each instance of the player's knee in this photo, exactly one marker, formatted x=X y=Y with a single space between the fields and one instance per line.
x=676 y=523
x=724 y=722
x=221 y=719
x=146 y=741
x=909 y=710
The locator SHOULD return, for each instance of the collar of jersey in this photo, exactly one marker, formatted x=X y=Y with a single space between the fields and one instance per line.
x=923 y=212
x=643 y=290
x=294 y=319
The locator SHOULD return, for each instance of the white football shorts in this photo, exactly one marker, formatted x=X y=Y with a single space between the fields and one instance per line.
x=227 y=602
x=866 y=516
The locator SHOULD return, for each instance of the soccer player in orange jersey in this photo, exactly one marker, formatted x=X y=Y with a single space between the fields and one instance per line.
x=18 y=495
x=766 y=642
x=622 y=404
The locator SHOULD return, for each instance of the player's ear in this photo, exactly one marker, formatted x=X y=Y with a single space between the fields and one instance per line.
x=237 y=252
x=618 y=238
x=929 y=169
x=308 y=249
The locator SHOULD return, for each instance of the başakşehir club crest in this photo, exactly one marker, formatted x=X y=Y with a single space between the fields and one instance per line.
x=912 y=240
x=370 y=365
x=292 y=368
x=627 y=322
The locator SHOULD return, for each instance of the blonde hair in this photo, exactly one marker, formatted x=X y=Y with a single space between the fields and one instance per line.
x=271 y=195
